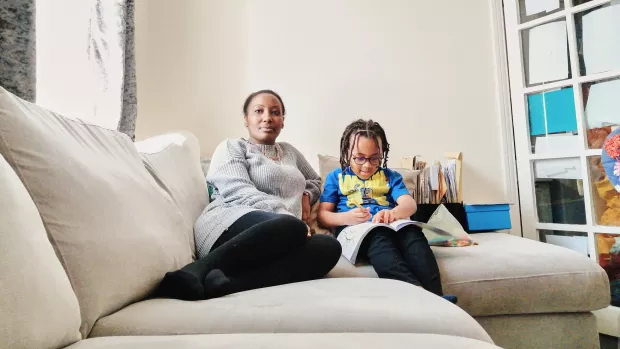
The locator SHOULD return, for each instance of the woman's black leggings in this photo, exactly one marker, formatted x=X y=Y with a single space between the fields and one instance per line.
x=261 y=249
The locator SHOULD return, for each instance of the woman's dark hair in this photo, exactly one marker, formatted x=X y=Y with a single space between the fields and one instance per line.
x=365 y=128
x=248 y=100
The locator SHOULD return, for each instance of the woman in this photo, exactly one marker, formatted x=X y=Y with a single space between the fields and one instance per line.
x=251 y=235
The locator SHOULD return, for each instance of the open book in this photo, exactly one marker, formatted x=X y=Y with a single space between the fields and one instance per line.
x=352 y=236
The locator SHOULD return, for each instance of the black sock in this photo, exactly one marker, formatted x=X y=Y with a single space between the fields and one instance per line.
x=216 y=284
x=180 y=285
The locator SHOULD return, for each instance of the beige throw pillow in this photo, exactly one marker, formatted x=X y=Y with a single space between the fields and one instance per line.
x=327 y=164
x=38 y=307
x=114 y=229
x=173 y=159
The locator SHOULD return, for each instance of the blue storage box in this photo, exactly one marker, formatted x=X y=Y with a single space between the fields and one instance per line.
x=488 y=217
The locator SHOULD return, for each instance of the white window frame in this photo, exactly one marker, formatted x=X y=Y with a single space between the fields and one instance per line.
x=519 y=91
x=608 y=318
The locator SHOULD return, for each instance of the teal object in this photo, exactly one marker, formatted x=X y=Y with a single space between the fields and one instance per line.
x=488 y=217
x=560 y=108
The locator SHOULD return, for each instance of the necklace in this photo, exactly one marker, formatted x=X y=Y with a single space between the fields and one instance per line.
x=277 y=157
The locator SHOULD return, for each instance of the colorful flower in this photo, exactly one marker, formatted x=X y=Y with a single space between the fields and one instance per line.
x=612 y=146
x=617 y=168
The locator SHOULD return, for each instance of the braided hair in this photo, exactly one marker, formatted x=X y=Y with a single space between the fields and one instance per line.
x=364 y=128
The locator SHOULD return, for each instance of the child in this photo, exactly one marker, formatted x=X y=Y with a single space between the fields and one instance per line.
x=362 y=190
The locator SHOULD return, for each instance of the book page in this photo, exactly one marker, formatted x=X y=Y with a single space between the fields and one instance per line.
x=351 y=237
x=399 y=224
x=444 y=219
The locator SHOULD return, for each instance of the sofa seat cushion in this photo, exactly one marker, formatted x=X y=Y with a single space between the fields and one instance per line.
x=506 y=275
x=287 y=341
x=320 y=306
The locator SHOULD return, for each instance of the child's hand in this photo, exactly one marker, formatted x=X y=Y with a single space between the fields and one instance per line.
x=357 y=216
x=384 y=216
x=310 y=231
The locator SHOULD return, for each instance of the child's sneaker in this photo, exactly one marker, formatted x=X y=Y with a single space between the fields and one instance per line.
x=450 y=298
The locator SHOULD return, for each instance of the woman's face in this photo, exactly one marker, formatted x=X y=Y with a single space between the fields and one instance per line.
x=264 y=119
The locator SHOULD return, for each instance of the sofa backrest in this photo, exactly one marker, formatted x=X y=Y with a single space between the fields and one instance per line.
x=114 y=229
x=37 y=305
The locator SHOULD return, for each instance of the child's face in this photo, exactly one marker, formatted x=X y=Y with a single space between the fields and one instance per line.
x=366 y=156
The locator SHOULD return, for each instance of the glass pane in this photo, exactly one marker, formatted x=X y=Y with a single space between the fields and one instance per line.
x=608 y=256
x=533 y=9
x=605 y=198
x=598 y=43
x=580 y=2
x=575 y=241
x=559 y=191
x=601 y=100
x=553 y=122
x=545 y=53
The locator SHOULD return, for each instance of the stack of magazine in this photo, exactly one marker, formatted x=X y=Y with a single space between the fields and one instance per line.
x=437 y=182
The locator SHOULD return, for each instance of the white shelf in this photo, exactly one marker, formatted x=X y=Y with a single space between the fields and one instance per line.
x=608 y=321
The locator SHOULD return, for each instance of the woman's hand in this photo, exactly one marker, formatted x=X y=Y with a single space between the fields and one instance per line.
x=305 y=208
x=357 y=216
x=384 y=216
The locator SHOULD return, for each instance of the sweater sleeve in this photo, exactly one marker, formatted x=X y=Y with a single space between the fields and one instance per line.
x=313 y=180
x=228 y=174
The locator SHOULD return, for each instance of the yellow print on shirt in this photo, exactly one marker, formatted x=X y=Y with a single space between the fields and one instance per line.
x=371 y=191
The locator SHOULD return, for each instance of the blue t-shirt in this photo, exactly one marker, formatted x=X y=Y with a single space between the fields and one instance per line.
x=377 y=193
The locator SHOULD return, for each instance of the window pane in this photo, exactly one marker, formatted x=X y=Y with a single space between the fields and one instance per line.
x=559 y=191
x=63 y=71
x=533 y=9
x=608 y=256
x=545 y=53
x=605 y=198
x=575 y=241
x=598 y=31
x=601 y=100
x=553 y=122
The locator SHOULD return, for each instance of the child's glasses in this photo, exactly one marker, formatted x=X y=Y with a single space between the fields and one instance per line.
x=360 y=160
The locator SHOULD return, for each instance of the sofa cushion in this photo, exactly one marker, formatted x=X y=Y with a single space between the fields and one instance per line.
x=542 y=331
x=327 y=164
x=506 y=274
x=114 y=229
x=38 y=306
x=163 y=157
x=344 y=269
x=287 y=340
x=320 y=306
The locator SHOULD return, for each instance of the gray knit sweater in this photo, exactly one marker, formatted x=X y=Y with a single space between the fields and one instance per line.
x=245 y=180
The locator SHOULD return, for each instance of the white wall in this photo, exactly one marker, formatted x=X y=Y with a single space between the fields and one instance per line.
x=424 y=70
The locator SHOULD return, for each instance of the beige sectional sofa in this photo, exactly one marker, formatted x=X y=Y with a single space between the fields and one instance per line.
x=89 y=223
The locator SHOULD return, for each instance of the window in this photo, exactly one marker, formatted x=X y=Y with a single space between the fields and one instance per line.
x=62 y=59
